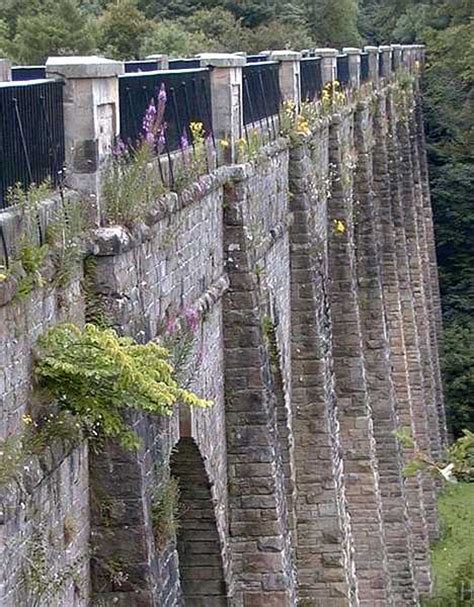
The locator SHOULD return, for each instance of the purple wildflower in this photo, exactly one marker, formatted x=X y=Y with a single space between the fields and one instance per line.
x=149 y=121
x=171 y=325
x=192 y=319
x=161 y=136
x=162 y=94
x=119 y=149
x=184 y=141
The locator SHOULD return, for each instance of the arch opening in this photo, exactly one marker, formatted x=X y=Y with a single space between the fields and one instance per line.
x=198 y=545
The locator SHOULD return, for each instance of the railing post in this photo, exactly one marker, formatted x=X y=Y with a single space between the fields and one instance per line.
x=420 y=53
x=227 y=103
x=328 y=63
x=5 y=70
x=386 y=57
x=397 y=56
x=91 y=120
x=408 y=57
x=354 y=64
x=373 y=52
x=289 y=74
x=162 y=61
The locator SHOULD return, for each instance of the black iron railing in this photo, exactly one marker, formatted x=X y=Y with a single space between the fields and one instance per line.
x=28 y=72
x=343 y=75
x=188 y=99
x=31 y=134
x=261 y=91
x=311 y=81
x=184 y=64
x=132 y=67
x=364 y=67
x=256 y=58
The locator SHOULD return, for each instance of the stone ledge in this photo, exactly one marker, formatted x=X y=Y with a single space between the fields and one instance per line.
x=83 y=67
x=221 y=60
x=285 y=56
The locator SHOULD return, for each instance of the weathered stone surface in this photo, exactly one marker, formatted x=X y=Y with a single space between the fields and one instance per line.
x=313 y=275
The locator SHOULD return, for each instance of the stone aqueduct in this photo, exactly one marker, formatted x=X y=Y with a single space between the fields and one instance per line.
x=314 y=271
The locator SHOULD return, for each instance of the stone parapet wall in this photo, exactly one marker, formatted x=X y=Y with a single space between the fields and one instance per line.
x=310 y=276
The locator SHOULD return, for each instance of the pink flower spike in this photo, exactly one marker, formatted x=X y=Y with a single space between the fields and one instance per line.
x=193 y=318
x=162 y=98
x=172 y=325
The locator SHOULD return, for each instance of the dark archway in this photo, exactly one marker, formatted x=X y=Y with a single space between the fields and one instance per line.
x=199 y=549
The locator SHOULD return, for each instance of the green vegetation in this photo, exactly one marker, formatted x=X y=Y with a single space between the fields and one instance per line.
x=36 y=436
x=128 y=29
x=165 y=513
x=99 y=377
x=453 y=555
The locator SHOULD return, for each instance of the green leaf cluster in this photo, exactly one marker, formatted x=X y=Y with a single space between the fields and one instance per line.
x=100 y=376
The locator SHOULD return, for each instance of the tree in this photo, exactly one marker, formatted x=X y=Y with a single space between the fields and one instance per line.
x=332 y=22
x=219 y=26
x=59 y=30
x=278 y=35
x=121 y=30
x=459 y=375
x=175 y=40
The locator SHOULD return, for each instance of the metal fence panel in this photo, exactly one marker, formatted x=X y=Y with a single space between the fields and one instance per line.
x=28 y=72
x=364 y=67
x=343 y=70
x=256 y=58
x=261 y=91
x=311 y=81
x=188 y=100
x=184 y=64
x=31 y=134
x=132 y=67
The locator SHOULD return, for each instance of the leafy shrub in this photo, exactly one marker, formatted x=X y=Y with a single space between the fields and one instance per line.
x=99 y=376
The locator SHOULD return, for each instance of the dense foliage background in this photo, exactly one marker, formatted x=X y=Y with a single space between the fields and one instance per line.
x=30 y=30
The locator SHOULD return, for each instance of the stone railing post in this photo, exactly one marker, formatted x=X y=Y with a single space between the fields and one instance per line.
x=397 y=62
x=91 y=120
x=227 y=105
x=328 y=63
x=386 y=59
x=354 y=64
x=162 y=61
x=5 y=70
x=289 y=74
x=420 y=53
x=408 y=57
x=373 y=52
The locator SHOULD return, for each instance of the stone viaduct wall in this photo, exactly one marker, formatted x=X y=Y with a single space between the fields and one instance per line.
x=313 y=275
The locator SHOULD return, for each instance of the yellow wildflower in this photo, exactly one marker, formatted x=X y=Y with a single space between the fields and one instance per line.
x=339 y=226
x=224 y=143
x=197 y=129
x=27 y=419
